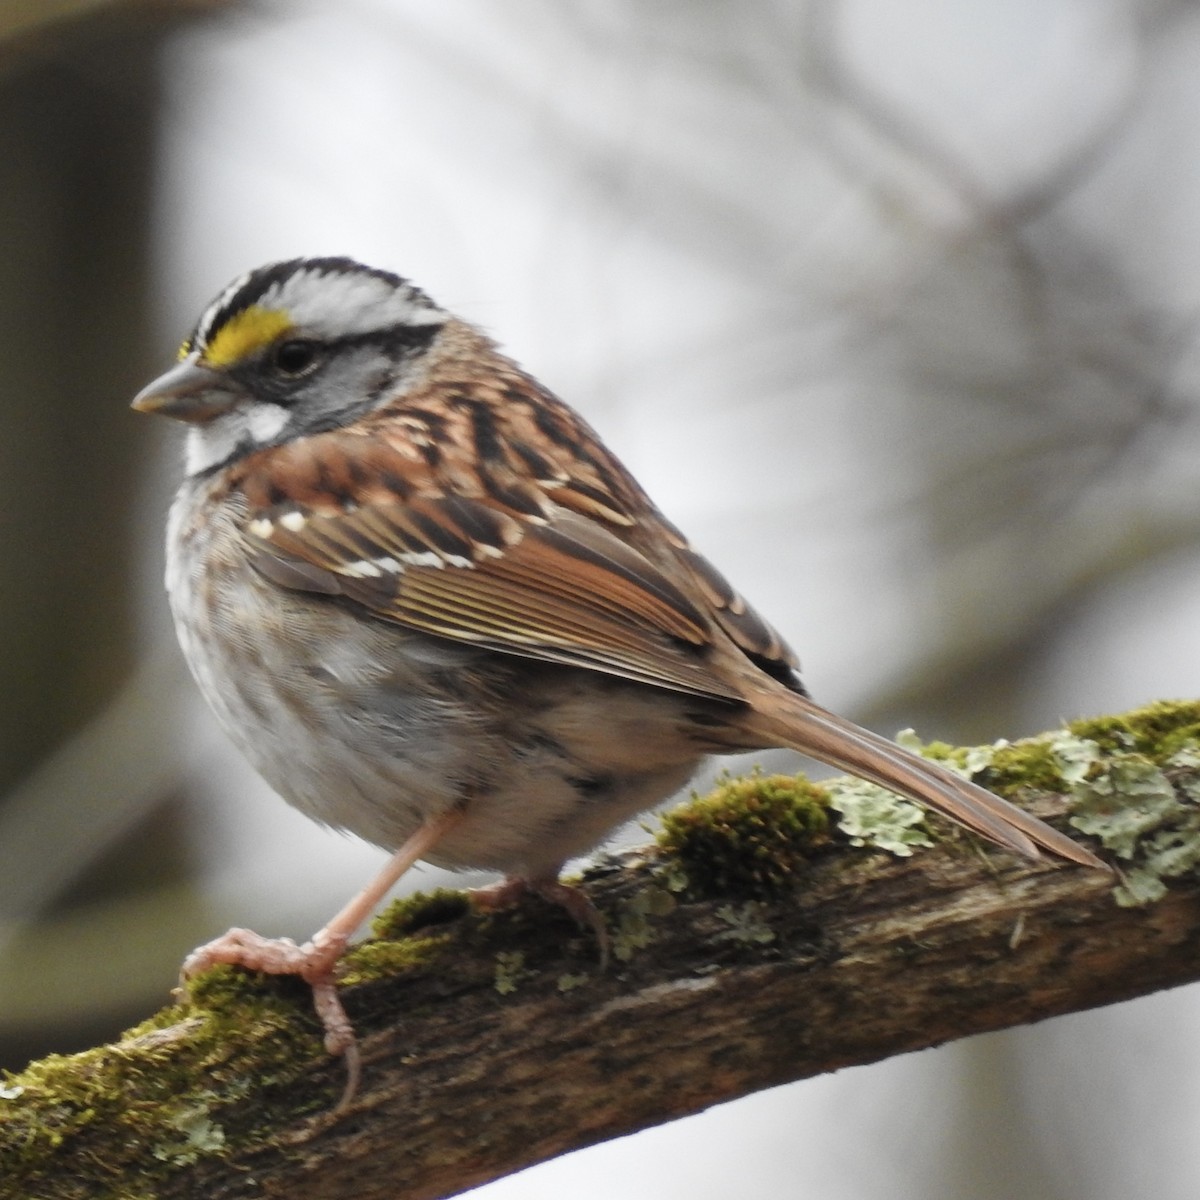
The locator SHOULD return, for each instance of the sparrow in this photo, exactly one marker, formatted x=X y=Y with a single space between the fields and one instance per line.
x=433 y=609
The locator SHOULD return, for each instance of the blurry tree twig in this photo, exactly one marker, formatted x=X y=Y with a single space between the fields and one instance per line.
x=39 y=18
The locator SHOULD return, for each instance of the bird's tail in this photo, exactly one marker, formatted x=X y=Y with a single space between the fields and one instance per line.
x=789 y=719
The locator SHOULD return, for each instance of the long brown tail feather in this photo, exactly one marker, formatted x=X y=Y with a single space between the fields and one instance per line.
x=795 y=721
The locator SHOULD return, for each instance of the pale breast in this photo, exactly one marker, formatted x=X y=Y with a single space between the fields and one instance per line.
x=369 y=727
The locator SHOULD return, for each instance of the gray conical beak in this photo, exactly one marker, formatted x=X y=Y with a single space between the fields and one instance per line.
x=188 y=392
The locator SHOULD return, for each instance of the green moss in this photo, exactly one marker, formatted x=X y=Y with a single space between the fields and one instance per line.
x=270 y=1017
x=412 y=931
x=158 y=1099
x=1052 y=762
x=380 y=958
x=748 y=837
x=1158 y=730
x=1002 y=767
x=411 y=914
x=178 y=1088
x=1029 y=764
x=672 y=876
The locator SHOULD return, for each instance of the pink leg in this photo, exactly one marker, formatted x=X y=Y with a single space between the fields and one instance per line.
x=575 y=900
x=314 y=962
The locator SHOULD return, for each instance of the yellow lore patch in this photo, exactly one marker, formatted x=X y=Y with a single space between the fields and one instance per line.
x=245 y=332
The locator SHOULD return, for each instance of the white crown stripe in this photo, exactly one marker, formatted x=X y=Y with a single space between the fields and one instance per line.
x=204 y=325
x=347 y=304
x=326 y=302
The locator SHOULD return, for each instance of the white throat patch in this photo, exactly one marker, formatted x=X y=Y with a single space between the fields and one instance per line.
x=216 y=440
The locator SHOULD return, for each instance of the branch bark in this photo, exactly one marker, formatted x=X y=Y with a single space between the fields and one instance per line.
x=499 y=1043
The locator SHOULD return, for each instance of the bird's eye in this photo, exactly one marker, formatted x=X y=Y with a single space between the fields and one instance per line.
x=296 y=357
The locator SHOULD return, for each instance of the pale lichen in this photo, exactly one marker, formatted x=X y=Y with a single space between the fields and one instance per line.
x=1132 y=781
x=635 y=929
x=199 y=1135
x=747 y=924
x=510 y=971
x=1144 y=817
x=873 y=816
x=569 y=981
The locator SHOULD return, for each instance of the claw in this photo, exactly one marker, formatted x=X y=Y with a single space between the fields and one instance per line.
x=575 y=900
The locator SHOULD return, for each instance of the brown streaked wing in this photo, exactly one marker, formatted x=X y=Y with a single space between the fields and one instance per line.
x=753 y=636
x=563 y=590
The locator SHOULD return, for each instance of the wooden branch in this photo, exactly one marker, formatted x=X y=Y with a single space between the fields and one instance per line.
x=492 y=1043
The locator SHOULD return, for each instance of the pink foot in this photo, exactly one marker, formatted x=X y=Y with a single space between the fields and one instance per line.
x=574 y=899
x=314 y=962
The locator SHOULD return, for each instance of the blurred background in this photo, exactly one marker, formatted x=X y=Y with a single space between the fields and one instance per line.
x=891 y=306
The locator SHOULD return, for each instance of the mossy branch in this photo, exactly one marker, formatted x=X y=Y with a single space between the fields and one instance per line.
x=745 y=957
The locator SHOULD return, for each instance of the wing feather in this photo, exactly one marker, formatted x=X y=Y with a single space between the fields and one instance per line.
x=567 y=576
x=563 y=589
